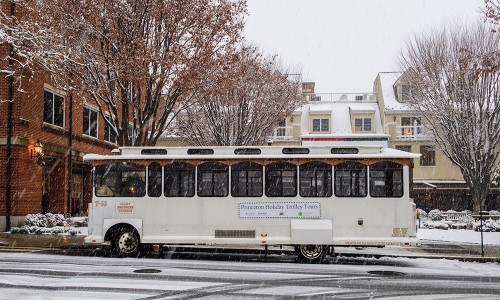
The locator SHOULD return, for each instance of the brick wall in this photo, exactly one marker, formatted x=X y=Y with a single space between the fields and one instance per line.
x=27 y=177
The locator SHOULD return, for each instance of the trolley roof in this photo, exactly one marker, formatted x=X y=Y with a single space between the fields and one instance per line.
x=251 y=152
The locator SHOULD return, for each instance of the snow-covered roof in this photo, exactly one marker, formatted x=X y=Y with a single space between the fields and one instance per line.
x=341 y=116
x=266 y=152
x=320 y=108
x=387 y=81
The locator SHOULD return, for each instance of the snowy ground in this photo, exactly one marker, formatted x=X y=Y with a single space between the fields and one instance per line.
x=38 y=276
x=425 y=234
x=459 y=236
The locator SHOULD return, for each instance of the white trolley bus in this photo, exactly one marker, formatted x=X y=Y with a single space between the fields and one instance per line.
x=314 y=198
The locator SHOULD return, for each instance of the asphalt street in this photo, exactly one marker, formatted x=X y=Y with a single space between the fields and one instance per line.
x=219 y=276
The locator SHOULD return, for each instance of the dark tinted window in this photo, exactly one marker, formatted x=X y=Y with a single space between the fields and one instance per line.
x=200 y=151
x=213 y=180
x=386 y=180
x=120 y=180
x=315 y=180
x=154 y=151
x=281 y=180
x=344 y=151
x=295 y=151
x=247 y=151
x=246 y=180
x=154 y=180
x=350 y=180
x=179 y=180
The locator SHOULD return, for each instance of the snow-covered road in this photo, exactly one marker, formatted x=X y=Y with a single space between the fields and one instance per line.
x=41 y=276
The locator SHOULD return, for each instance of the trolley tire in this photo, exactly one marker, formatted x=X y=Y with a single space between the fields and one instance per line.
x=311 y=254
x=125 y=242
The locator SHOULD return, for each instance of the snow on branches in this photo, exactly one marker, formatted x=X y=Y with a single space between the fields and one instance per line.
x=455 y=79
x=258 y=94
x=136 y=60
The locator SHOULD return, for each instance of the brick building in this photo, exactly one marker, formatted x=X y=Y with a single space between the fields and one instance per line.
x=66 y=126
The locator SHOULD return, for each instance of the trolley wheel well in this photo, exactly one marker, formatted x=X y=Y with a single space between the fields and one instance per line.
x=109 y=234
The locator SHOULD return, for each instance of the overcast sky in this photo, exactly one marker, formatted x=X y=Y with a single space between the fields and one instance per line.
x=342 y=44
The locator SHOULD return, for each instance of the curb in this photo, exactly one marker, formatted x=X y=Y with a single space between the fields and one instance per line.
x=415 y=256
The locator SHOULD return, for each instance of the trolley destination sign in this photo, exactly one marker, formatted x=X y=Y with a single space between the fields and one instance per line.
x=271 y=210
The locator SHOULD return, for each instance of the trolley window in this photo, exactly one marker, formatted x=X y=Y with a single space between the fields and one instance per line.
x=350 y=180
x=315 y=180
x=179 y=180
x=386 y=180
x=281 y=180
x=246 y=180
x=120 y=180
x=213 y=180
x=154 y=180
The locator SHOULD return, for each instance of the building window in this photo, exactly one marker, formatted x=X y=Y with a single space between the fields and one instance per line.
x=281 y=130
x=362 y=125
x=132 y=133
x=179 y=180
x=213 y=180
x=281 y=180
x=406 y=148
x=246 y=180
x=321 y=125
x=109 y=133
x=89 y=122
x=386 y=180
x=53 y=109
x=406 y=92
x=428 y=157
x=315 y=180
x=350 y=180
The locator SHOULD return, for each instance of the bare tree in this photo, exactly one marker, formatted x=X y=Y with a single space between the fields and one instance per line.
x=492 y=13
x=26 y=41
x=455 y=82
x=244 y=110
x=137 y=60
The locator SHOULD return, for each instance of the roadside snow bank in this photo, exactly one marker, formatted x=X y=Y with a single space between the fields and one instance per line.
x=459 y=236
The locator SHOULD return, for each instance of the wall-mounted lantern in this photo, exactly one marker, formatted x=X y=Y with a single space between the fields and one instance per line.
x=37 y=153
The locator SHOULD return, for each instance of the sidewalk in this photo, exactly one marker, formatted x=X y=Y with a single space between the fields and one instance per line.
x=429 y=249
x=40 y=240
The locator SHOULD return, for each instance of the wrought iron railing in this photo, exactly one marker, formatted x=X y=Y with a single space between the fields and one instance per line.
x=341 y=97
x=411 y=132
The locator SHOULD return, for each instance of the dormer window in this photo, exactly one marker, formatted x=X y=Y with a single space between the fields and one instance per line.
x=406 y=92
x=362 y=125
x=321 y=125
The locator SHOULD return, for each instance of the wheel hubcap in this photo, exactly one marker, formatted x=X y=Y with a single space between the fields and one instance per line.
x=127 y=242
x=311 y=251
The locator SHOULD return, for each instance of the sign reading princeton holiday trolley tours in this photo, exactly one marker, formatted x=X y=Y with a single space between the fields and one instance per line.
x=271 y=210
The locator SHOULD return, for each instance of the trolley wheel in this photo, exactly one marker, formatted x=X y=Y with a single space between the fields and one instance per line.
x=125 y=242
x=310 y=254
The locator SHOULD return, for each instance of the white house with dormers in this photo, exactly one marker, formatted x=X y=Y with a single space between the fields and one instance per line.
x=381 y=117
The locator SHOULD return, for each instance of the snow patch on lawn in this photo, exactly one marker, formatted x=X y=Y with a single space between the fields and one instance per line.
x=459 y=236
